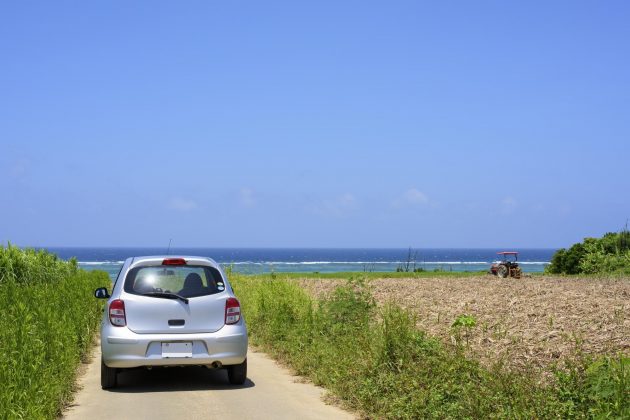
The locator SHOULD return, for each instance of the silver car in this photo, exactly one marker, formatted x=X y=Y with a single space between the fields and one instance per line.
x=172 y=311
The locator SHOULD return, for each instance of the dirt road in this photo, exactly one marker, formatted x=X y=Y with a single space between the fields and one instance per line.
x=270 y=392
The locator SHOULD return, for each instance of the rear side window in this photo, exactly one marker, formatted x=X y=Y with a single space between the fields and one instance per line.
x=187 y=281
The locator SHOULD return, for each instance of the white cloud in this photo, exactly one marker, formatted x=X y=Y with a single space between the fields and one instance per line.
x=508 y=205
x=337 y=207
x=564 y=209
x=347 y=201
x=411 y=197
x=182 y=204
x=247 y=197
x=18 y=169
x=414 y=196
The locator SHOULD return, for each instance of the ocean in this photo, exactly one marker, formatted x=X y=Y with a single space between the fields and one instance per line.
x=323 y=260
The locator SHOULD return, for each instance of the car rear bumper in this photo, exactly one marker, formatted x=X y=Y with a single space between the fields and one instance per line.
x=122 y=348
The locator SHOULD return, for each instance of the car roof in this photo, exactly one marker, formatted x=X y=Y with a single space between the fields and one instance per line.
x=508 y=253
x=157 y=260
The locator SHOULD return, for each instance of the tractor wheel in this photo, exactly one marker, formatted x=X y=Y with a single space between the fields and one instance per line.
x=517 y=272
x=503 y=271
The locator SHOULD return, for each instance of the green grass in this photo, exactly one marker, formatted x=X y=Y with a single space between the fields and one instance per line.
x=376 y=361
x=48 y=321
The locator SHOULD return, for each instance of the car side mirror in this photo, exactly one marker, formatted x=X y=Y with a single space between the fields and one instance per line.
x=101 y=293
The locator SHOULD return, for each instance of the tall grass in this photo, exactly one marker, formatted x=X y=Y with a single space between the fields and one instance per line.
x=377 y=362
x=47 y=323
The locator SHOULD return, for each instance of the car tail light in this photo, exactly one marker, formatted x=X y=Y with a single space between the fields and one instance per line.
x=232 y=311
x=117 y=313
x=174 y=261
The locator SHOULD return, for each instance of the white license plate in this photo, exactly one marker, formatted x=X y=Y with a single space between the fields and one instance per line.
x=176 y=350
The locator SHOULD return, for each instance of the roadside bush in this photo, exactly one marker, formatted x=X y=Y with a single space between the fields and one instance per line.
x=566 y=261
x=597 y=259
x=606 y=255
x=49 y=319
x=376 y=360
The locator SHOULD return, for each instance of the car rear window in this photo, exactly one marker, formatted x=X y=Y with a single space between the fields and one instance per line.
x=187 y=281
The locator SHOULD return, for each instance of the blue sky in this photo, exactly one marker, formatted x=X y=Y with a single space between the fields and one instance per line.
x=329 y=124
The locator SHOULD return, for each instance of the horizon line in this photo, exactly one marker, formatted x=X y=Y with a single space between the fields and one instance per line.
x=280 y=247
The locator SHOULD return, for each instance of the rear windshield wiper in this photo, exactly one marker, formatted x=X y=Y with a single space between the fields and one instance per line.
x=166 y=295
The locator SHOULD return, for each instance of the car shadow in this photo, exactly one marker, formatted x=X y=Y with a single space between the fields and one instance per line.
x=190 y=378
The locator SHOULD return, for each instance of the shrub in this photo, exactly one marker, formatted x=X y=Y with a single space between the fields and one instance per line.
x=608 y=254
x=567 y=261
x=598 y=259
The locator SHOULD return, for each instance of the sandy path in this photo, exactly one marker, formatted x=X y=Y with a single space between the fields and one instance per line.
x=195 y=393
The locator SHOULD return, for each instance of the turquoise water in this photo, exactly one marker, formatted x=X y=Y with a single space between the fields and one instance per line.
x=323 y=260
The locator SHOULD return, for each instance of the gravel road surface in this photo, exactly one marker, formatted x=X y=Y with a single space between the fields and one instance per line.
x=270 y=392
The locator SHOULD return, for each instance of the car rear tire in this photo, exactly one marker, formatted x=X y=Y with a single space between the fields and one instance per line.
x=108 y=376
x=503 y=271
x=237 y=373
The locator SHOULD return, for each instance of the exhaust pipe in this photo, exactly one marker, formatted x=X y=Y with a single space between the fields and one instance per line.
x=216 y=365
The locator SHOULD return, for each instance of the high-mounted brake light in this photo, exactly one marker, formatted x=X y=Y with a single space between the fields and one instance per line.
x=232 y=311
x=117 y=313
x=174 y=261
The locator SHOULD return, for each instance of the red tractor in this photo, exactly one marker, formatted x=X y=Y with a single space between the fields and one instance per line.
x=507 y=266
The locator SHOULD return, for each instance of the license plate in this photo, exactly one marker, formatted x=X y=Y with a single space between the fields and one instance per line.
x=176 y=350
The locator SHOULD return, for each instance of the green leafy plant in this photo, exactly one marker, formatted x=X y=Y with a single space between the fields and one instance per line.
x=463 y=323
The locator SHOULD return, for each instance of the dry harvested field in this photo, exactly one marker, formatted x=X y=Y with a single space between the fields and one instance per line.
x=531 y=322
